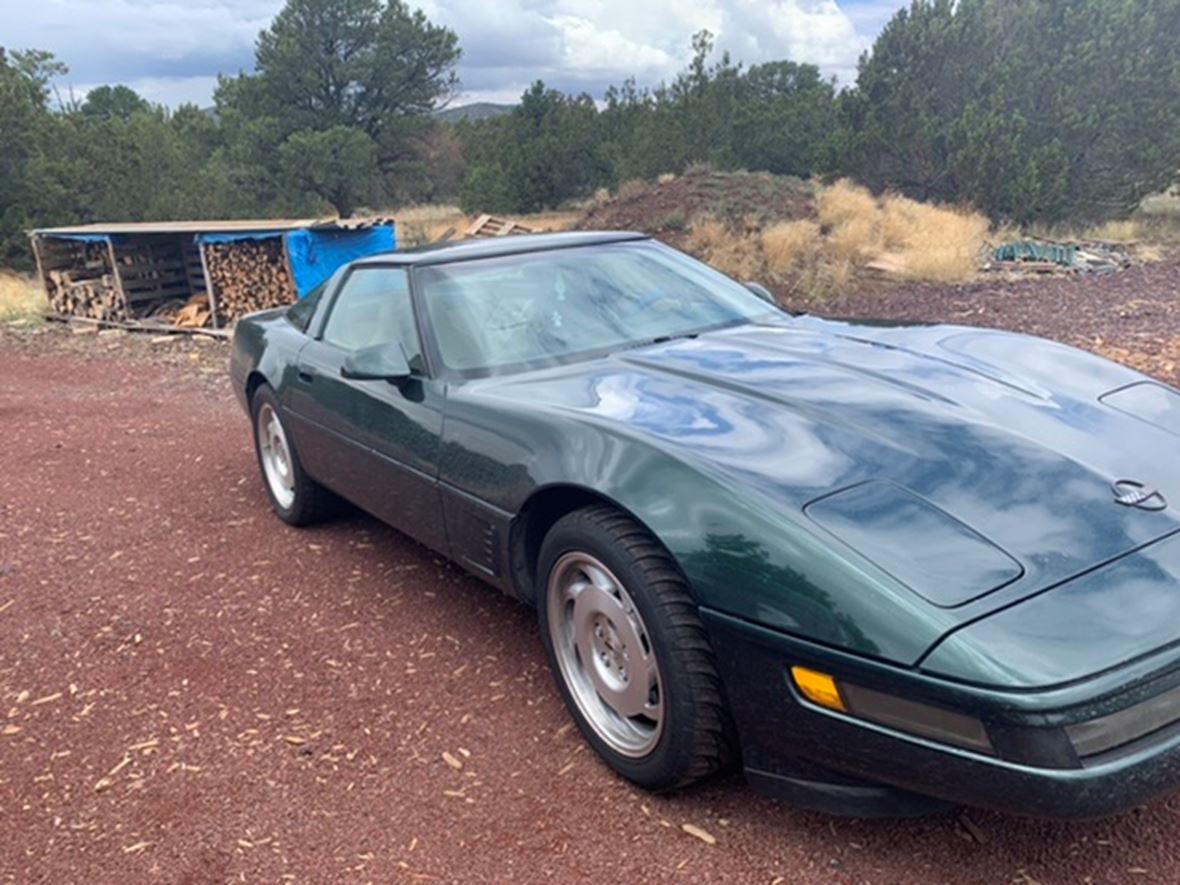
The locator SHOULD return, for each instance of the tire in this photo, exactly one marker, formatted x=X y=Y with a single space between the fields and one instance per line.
x=649 y=699
x=297 y=499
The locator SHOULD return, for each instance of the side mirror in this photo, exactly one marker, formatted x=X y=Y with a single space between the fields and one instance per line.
x=384 y=362
x=762 y=292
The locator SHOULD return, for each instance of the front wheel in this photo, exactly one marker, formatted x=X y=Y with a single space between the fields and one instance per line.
x=297 y=499
x=629 y=652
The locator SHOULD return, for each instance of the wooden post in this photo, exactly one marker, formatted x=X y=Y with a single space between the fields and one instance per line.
x=35 y=242
x=290 y=269
x=208 y=284
x=118 y=279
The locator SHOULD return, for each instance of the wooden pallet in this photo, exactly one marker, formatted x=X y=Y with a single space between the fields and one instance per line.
x=491 y=226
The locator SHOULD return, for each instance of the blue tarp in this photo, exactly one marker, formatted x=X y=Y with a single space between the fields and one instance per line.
x=316 y=254
x=81 y=238
x=233 y=238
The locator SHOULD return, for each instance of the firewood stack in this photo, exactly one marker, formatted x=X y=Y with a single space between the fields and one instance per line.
x=248 y=275
x=88 y=289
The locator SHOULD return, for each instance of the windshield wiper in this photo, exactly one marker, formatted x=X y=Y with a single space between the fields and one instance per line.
x=664 y=339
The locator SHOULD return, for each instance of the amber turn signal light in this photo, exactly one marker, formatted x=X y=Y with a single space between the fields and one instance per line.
x=819 y=688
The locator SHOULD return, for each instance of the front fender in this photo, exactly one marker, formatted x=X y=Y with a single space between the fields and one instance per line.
x=744 y=553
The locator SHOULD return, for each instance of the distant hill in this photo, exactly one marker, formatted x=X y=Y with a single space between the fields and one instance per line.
x=477 y=110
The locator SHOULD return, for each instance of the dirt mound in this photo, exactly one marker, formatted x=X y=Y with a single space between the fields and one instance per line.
x=739 y=200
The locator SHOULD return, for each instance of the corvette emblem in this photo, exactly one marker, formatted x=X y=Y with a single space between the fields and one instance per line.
x=1130 y=493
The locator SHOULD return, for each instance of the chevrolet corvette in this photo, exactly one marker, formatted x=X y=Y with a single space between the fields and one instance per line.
x=881 y=568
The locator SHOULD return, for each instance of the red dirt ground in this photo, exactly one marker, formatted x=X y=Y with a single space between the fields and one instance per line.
x=192 y=692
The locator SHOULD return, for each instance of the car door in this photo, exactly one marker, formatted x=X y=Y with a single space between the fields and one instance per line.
x=374 y=442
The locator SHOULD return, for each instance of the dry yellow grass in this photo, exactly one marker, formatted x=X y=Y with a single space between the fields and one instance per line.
x=844 y=201
x=707 y=234
x=731 y=253
x=899 y=215
x=430 y=213
x=856 y=239
x=1121 y=231
x=922 y=241
x=854 y=230
x=21 y=299
x=790 y=244
x=941 y=244
x=1165 y=205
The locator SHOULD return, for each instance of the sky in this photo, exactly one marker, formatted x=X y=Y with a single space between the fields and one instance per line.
x=171 y=52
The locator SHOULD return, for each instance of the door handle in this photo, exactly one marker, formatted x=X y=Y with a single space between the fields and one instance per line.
x=306 y=372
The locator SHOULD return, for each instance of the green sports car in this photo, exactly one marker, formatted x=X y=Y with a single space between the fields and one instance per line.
x=882 y=568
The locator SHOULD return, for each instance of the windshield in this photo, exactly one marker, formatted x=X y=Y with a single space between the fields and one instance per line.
x=539 y=308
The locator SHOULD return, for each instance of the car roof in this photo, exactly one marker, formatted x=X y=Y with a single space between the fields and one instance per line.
x=492 y=247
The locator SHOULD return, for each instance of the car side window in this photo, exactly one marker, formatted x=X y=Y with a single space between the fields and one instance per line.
x=374 y=308
x=301 y=312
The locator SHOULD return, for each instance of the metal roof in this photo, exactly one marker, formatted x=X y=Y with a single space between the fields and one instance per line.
x=238 y=226
x=491 y=247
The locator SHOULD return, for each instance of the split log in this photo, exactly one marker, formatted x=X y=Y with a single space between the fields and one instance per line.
x=248 y=275
x=195 y=314
x=88 y=289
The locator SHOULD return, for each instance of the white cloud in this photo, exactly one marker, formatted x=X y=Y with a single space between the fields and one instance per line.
x=172 y=51
x=591 y=50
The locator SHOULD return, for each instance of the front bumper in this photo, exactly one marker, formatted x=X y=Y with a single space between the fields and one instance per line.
x=820 y=759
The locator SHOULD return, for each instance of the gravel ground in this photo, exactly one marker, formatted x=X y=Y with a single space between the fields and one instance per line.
x=191 y=691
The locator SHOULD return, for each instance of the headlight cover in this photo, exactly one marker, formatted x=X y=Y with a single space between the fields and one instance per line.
x=1115 y=729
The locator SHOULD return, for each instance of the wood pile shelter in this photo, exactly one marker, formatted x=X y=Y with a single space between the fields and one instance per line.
x=196 y=273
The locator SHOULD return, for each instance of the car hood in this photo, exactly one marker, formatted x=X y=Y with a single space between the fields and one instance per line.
x=992 y=446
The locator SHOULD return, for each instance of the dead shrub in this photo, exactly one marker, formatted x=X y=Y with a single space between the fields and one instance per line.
x=943 y=244
x=844 y=201
x=898 y=217
x=857 y=239
x=789 y=244
x=738 y=256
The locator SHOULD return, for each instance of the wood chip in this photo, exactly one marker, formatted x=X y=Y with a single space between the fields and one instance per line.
x=10 y=730
x=136 y=848
x=452 y=761
x=4 y=607
x=704 y=835
x=48 y=699
x=294 y=740
x=973 y=828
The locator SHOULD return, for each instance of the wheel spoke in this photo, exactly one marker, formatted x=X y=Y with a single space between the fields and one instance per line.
x=635 y=699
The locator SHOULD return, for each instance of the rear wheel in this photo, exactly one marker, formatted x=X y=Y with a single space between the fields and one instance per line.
x=629 y=652
x=297 y=499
